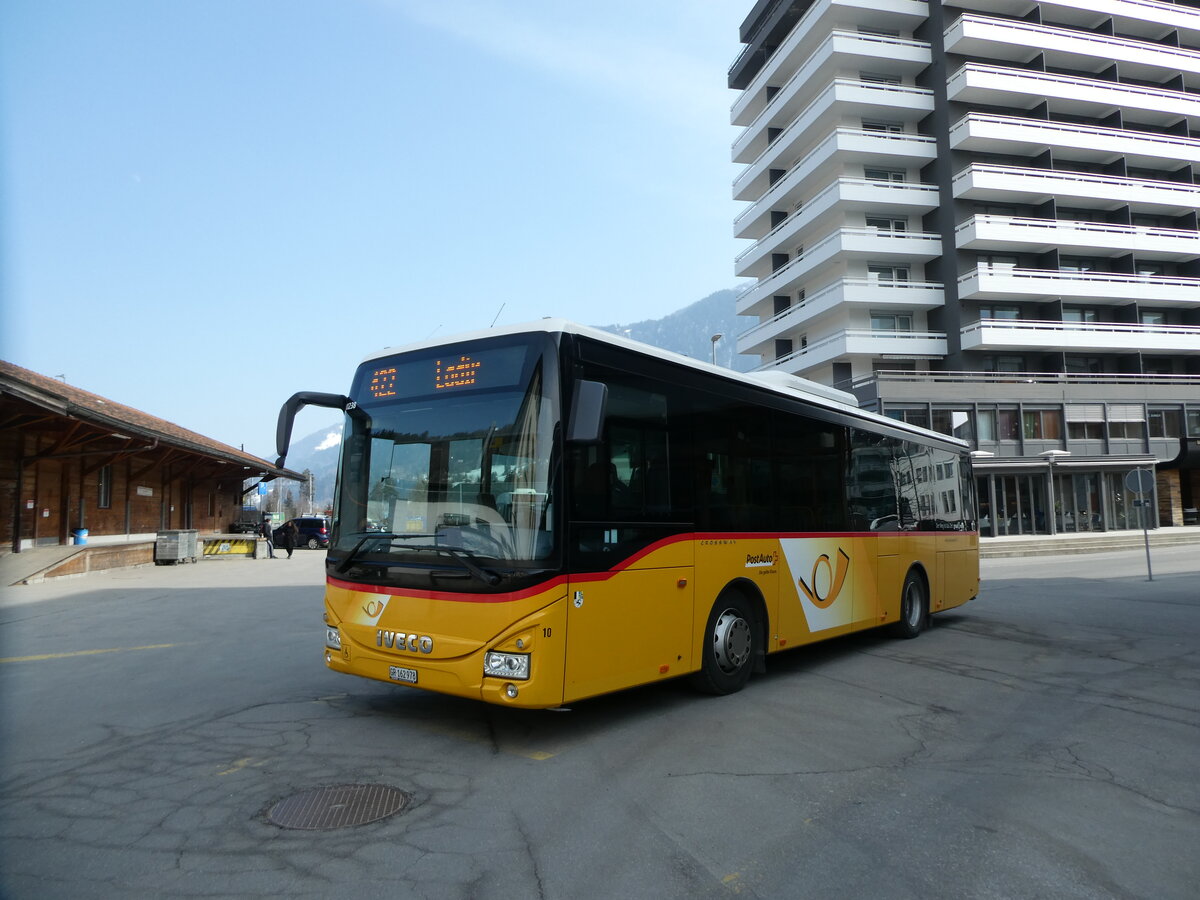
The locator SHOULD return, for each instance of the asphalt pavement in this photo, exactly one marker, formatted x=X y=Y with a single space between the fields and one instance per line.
x=1038 y=742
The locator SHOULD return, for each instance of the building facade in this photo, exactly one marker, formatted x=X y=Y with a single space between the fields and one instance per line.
x=982 y=216
x=74 y=463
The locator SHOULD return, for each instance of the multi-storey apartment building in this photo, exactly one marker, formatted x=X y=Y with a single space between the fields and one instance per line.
x=982 y=216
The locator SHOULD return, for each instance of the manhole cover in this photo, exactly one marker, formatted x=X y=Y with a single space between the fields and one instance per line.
x=338 y=807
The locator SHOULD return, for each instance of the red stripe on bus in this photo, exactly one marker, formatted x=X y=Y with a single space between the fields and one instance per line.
x=513 y=596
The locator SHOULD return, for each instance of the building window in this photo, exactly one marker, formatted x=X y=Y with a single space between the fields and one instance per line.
x=995 y=259
x=883 y=126
x=1141 y=267
x=1080 y=264
x=1193 y=423
x=1008 y=424
x=104 y=486
x=989 y=311
x=885 y=272
x=1085 y=365
x=893 y=365
x=956 y=422
x=1165 y=423
x=878 y=78
x=894 y=175
x=1156 y=365
x=1132 y=431
x=1042 y=424
x=1126 y=421
x=1080 y=314
x=889 y=321
x=1085 y=431
x=887 y=223
x=1152 y=317
x=994 y=362
x=915 y=415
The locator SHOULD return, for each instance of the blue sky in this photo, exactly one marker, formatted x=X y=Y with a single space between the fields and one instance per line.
x=207 y=206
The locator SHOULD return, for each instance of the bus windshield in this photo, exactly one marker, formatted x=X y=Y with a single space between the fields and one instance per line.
x=447 y=468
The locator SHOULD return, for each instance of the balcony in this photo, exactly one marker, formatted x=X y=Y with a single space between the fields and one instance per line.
x=844 y=147
x=1132 y=16
x=999 y=86
x=985 y=133
x=1008 y=184
x=845 y=194
x=1066 y=48
x=1009 y=334
x=843 y=98
x=999 y=282
x=1019 y=234
x=841 y=51
x=862 y=342
x=843 y=244
x=873 y=292
x=818 y=21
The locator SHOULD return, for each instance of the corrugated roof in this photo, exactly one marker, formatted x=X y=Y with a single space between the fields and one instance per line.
x=72 y=402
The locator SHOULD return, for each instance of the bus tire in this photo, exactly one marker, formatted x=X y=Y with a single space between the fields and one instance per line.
x=730 y=643
x=914 y=606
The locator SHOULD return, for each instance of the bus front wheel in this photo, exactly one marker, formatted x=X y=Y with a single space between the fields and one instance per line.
x=914 y=607
x=727 y=656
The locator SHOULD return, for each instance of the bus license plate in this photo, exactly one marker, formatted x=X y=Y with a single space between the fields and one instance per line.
x=400 y=673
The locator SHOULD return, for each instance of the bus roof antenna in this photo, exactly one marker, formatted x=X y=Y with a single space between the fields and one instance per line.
x=500 y=310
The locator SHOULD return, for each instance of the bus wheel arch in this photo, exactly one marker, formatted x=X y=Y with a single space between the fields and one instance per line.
x=914 y=603
x=734 y=640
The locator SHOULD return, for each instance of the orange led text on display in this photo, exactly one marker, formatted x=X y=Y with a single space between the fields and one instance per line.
x=457 y=374
x=383 y=383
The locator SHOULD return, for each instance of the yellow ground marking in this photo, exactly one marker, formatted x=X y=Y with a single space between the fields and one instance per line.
x=13 y=659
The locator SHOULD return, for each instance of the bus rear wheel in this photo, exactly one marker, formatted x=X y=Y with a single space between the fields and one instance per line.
x=727 y=657
x=914 y=607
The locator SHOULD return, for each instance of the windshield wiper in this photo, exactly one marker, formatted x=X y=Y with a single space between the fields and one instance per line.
x=465 y=557
x=344 y=565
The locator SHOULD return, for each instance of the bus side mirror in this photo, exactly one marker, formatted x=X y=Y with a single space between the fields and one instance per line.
x=287 y=416
x=587 y=412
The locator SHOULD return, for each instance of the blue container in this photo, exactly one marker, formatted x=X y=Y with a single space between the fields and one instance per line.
x=79 y=536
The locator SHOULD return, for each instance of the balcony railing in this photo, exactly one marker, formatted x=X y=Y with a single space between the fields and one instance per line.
x=1041 y=133
x=804 y=28
x=1043 y=378
x=845 y=91
x=843 y=291
x=839 y=42
x=886 y=193
x=1070 y=41
x=1004 y=279
x=1073 y=233
x=1080 y=335
x=870 y=144
x=1183 y=195
x=865 y=341
x=910 y=244
x=991 y=81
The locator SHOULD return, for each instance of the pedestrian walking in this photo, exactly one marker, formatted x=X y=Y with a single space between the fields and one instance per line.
x=265 y=531
x=290 y=534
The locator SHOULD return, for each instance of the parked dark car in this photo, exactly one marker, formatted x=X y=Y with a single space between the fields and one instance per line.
x=314 y=532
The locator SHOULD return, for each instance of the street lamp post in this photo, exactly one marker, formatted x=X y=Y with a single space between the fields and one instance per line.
x=715 y=338
x=1051 y=456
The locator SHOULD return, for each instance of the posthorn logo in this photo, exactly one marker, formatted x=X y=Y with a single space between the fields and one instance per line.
x=826 y=582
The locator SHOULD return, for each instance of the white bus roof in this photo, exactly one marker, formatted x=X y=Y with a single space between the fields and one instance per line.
x=774 y=380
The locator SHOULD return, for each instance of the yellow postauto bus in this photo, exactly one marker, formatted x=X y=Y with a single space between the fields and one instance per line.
x=539 y=514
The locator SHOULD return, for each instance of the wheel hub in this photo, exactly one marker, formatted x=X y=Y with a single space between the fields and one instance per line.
x=731 y=641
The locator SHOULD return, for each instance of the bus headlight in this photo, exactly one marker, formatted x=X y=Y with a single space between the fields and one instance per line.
x=333 y=638
x=506 y=665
